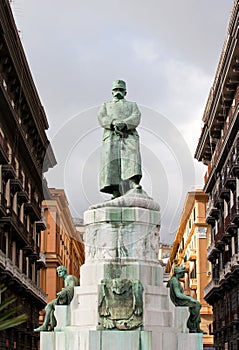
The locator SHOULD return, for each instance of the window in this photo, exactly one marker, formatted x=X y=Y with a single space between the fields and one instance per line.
x=193 y=273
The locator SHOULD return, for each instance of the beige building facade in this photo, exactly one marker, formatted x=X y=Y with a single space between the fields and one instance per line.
x=190 y=249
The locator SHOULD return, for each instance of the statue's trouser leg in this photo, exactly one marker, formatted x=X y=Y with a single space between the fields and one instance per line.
x=50 y=308
x=194 y=319
x=52 y=320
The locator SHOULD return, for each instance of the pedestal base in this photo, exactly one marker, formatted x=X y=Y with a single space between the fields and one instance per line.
x=118 y=340
x=122 y=244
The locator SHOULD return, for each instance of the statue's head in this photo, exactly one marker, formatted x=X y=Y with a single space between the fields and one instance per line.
x=61 y=270
x=179 y=270
x=119 y=89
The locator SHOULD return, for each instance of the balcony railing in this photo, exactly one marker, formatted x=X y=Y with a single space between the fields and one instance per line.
x=33 y=209
x=192 y=254
x=227 y=268
x=227 y=126
x=3 y=205
x=21 y=277
x=193 y=283
x=221 y=274
x=235 y=260
x=211 y=250
x=3 y=150
x=2 y=258
x=235 y=211
x=214 y=283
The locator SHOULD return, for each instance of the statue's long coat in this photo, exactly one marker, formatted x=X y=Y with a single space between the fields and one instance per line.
x=120 y=155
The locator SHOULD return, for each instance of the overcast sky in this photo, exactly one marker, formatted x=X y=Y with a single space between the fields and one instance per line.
x=166 y=51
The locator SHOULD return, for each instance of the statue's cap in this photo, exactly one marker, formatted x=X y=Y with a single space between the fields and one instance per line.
x=119 y=84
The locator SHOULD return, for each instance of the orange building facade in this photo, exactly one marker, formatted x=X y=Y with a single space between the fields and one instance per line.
x=190 y=249
x=61 y=243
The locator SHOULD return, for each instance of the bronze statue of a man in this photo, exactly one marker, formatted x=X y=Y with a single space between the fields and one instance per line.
x=64 y=297
x=180 y=299
x=120 y=155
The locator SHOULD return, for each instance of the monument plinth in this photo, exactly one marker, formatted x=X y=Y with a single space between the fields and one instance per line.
x=121 y=301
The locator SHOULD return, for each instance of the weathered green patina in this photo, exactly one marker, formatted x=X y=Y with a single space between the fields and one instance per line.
x=120 y=155
x=180 y=299
x=120 y=304
x=64 y=297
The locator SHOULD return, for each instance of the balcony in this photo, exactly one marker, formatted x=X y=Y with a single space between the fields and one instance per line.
x=214 y=212
x=235 y=169
x=218 y=236
x=22 y=281
x=3 y=150
x=22 y=197
x=226 y=237
x=226 y=233
x=40 y=225
x=35 y=254
x=220 y=244
x=8 y=172
x=230 y=183
x=192 y=255
x=29 y=247
x=229 y=275
x=211 y=287
x=18 y=228
x=235 y=319
x=3 y=205
x=224 y=194
x=235 y=260
x=15 y=185
x=221 y=275
x=218 y=202
x=212 y=252
x=227 y=268
x=231 y=229
x=210 y=220
x=235 y=213
x=193 y=283
x=33 y=209
x=41 y=262
x=2 y=259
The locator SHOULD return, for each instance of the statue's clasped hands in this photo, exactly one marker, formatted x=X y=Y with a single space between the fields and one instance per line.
x=119 y=125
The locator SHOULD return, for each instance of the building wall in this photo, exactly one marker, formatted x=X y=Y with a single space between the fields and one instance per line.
x=61 y=243
x=218 y=149
x=189 y=249
x=23 y=159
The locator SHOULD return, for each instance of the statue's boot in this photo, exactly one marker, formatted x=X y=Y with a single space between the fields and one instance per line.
x=41 y=328
x=115 y=194
x=134 y=185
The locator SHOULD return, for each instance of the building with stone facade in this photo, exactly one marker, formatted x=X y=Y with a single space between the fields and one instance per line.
x=218 y=148
x=189 y=248
x=25 y=153
x=61 y=243
x=164 y=252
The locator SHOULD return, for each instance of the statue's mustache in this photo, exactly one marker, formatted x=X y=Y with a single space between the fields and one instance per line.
x=115 y=93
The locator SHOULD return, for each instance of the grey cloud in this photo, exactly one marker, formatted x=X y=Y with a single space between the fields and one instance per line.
x=167 y=51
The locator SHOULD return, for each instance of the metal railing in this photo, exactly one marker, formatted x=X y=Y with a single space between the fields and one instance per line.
x=214 y=283
x=23 y=279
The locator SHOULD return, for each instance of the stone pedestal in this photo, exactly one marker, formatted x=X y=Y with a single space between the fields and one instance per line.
x=63 y=316
x=121 y=243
